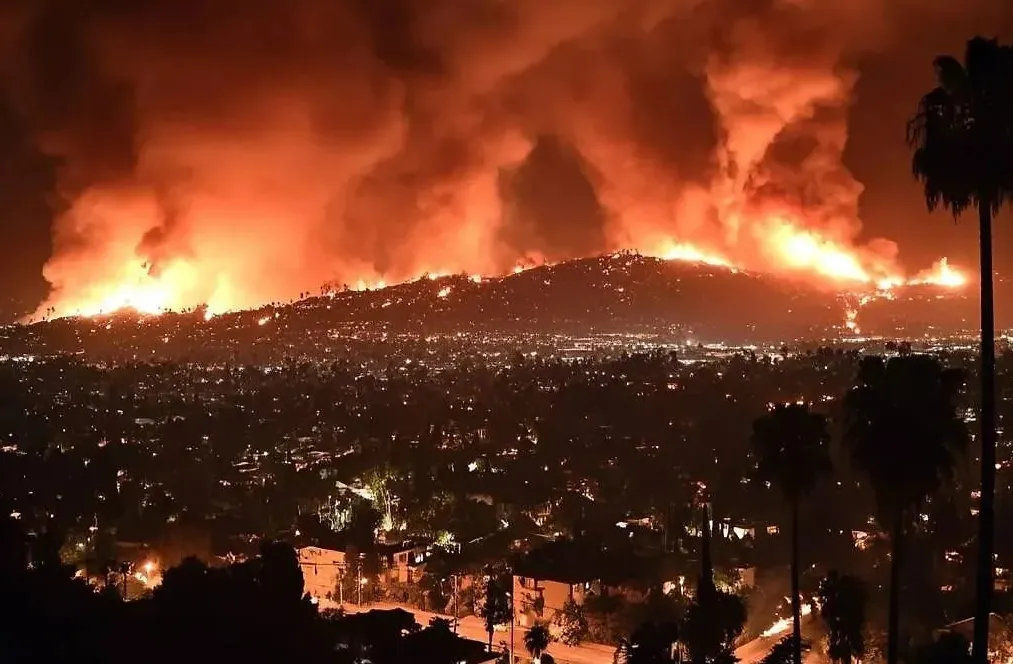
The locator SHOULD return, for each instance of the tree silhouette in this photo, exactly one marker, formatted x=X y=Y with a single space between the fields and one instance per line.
x=784 y=651
x=572 y=623
x=791 y=447
x=441 y=624
x=280 y=574
x=651 y=643
x=537 y=639
x=713 y=621
x=842 y=606
x=948 y=648
x=962 y=137
x=496 y=608
x=905 y=434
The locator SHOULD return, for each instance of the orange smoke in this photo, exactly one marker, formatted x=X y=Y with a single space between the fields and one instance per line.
x=235 y=158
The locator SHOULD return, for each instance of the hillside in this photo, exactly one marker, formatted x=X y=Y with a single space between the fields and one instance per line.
x=616 y=293
x=622 y=293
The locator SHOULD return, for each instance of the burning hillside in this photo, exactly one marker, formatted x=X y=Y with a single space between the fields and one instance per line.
x=624 y=294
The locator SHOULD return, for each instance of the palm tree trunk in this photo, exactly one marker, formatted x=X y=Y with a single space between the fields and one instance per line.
x=986 y=513
x=796 y=600
x=893 y=618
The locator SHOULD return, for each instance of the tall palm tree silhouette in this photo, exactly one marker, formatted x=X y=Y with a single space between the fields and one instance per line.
x=791 y=447
x=904 y=433
x=962 y=136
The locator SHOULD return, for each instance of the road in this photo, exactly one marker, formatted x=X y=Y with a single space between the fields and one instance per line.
x=472 y=627
x=757 y=649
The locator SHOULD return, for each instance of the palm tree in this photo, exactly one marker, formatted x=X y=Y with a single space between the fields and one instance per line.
x=962 y=137
x=537 y=639
x=842 y=606
x=904 y=433
x=791 y=447
x=497 y=608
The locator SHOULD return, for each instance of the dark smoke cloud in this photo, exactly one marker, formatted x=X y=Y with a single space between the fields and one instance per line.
x=252 y=149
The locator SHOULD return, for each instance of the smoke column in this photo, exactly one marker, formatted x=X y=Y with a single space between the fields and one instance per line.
x=237 y=152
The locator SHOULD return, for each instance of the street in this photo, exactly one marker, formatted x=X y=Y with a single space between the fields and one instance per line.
x=472 y=627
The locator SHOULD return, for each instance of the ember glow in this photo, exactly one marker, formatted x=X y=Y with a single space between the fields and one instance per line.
x=784 y=624
x=227 y=177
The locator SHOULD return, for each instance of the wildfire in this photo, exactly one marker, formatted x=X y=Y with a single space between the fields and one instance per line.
x=672 y=251
x=786 y=245
x=784 y=624
x=805 y=250
x=941 y=274
x=139 y=291
x=851 y=322
x=149 y=574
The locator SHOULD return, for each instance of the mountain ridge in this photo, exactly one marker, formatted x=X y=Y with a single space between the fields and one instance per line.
x=624 y=293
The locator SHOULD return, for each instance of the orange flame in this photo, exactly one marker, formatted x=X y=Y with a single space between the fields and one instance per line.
x=783 y=243
x=672 y=251
x=796 y=250
x=941 y=274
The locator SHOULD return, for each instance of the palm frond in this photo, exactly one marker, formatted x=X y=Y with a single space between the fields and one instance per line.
x=962 y=132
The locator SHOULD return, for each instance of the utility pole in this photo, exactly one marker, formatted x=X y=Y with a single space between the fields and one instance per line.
x=510 y=596
x=512 y=628
x=362 y=557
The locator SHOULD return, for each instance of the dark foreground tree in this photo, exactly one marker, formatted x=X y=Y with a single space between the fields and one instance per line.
x=572 y=623
x=842 y=606
x=537 y=639
x=713 y=621
x=651 y=643
x=905 y=434
x=962 y=136
x=791 y=447
x=784 y=651
x=948 y=648
x=496 y=608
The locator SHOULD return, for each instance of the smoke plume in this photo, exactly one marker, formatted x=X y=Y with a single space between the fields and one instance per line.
x=234 y=152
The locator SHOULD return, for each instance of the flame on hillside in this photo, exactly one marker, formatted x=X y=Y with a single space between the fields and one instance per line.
x=802 y=252
x=941 y=274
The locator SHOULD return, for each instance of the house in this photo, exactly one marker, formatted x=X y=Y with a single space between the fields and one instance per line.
x=407 y=564
x=541 y=599
x=321 y=569
x=561 y=570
